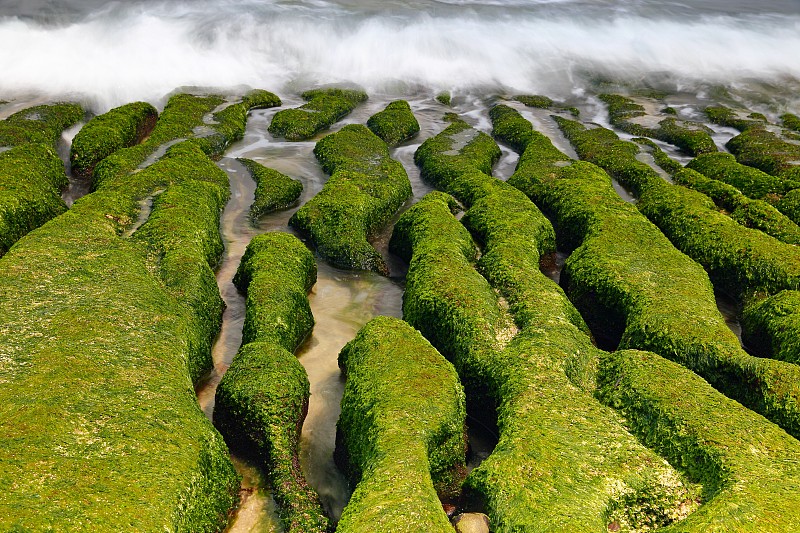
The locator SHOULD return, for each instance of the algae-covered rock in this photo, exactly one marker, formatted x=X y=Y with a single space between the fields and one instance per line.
x=31 y=178
x=105 y=134
x=401 y=432
x=262 y=399
x=274 y=190
x=763 y=149
x=771 y=326
x=324 y=107
x=41 y=124
x=539 y=477
x=691 y=137
x=628 y=280
x=102 y=430
x=394 y=124
x=365 y=189
x=750 y=181
x=749 y=468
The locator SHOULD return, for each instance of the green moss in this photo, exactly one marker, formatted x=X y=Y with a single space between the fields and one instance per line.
x=182 y=118
x=93 y=403
x=766 y=151
x=791 y=121
x=725 y=116
x=324 y=107
x=444 y=98
x=641 y=298
x=771 y=326
x=750 y=181
x=756 y=214
x=39 y=124
x=184 y=245
x=535 y=100
x=277 y=271
x=274 y=190
x=457 y=150
x=31 y=177
x=749 y=467
x=394 y=124
x=789 y=205
x=105 y=134
x=539 y=476
x=690 y=137
x=401 y=429
x=262 y=399
x=365 y=189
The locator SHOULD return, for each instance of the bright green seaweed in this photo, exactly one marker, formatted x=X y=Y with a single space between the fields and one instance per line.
x=401 y=435
x=262 y=399
x=365 y=189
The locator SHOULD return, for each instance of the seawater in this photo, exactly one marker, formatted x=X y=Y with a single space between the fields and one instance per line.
x=110 y=53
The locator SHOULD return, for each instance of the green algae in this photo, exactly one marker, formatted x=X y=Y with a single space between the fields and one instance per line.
x=105 y=409
x=324 y=107
x=31 y=178
x=643 y=296
x=534 y=100
x=725 y=116
x=182 y=115
x=401 y=433
x=764 y=150
x=750 y=181
x=756 y=214
x=395 y=124
x=274 y=190
x=692 y=138
x=749 y=467
x=105 y=134
x=791 y=121
x=444 y=98
x=543 y=474
x=262 y=399
x=41 y=124
x=365 y=190
x=771 y=326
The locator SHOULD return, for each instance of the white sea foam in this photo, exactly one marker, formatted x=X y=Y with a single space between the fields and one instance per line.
x=143 y=51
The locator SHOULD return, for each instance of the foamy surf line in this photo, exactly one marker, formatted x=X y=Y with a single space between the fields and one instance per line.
x=144 y=53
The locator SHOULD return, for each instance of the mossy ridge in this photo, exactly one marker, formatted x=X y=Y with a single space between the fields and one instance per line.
x=771 y=326
x=535 y=100
x=750 y=181
x=764 y=150
x=739 y=260
x=185 y=480
x=395 y=124
x=725 y=116
x=458 y=150
x=692 y=138
x=456 y=308
x=749 y=467
x=41 y=124
x=182 y=115
x=633 y=303
x=401 y=433
x=95 y=403
x=105 y=134
x=324 y=107
x=756 y=214
x=184 y=244
x=31 y=178
x=274 y=190
x=365 y=189
x=262 y=399
x=791 y=121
